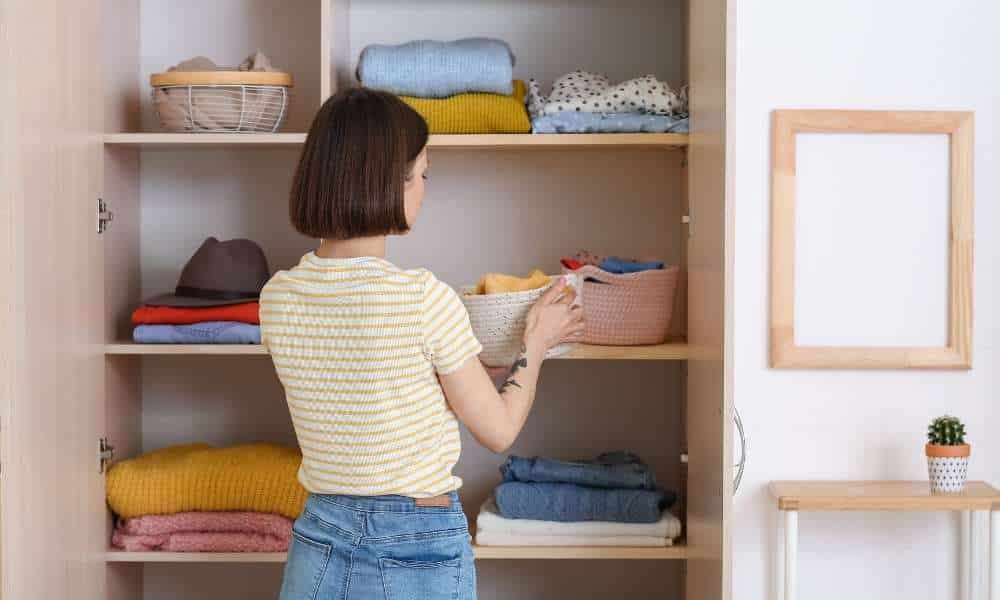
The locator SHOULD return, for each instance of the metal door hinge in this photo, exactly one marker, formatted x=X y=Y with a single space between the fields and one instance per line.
x=686 y=220
x=105 y=452
x=684 y=458
x=104 y=216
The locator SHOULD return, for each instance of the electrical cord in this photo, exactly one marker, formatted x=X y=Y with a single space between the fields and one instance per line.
x=742 y=462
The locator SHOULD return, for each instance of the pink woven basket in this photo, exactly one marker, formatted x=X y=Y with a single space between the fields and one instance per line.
x=632 y=309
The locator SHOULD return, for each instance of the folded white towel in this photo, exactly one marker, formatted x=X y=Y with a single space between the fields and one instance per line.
x=487 y=538
x=491 y=521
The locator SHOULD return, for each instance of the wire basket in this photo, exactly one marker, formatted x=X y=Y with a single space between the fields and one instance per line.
x=221 y=101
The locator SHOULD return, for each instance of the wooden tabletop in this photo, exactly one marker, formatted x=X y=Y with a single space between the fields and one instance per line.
x=880 y=495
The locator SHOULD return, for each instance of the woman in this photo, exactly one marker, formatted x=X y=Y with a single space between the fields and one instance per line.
x=379 y=365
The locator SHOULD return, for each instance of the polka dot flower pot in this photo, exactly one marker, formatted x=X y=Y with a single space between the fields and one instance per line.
x=948 y=467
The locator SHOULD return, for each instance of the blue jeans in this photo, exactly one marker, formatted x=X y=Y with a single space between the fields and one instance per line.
x=568 y=502
x=616 y=470
x=384 y=548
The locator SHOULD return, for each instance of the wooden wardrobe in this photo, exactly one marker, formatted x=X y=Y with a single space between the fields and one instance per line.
x=77 y=130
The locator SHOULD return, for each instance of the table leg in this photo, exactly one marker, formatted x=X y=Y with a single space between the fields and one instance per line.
x=778 y=568
x=964 y=529
x=995 y=555
x=791 y=553
x=978 y=557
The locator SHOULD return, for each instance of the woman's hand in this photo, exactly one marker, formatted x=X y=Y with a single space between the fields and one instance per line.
x=553 y=319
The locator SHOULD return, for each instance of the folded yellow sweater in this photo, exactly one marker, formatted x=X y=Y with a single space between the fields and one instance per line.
x=498 y=283
x=475 y=112
x=198 y=477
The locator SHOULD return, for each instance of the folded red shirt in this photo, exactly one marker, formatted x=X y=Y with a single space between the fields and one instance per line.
x=570 y=264
x=246 y=312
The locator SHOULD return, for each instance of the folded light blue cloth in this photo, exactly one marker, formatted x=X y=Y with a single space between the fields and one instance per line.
x=611 y=470
x=431 y=69
x=613 y=264
x=566 y=502
x=208 y=332
x=587 y=122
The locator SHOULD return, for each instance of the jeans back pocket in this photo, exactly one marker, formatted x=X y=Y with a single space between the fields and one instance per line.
x=307 y=564
x=420 y=580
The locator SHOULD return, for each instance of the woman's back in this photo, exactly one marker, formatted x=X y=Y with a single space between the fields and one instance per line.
x=357 y=344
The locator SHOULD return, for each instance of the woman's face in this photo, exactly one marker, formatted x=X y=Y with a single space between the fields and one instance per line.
x=413 y=191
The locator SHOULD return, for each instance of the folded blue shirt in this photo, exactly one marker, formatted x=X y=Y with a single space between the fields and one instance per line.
x=613 y=264
x=611 y=470
x=432 y=69
x=208 y=332
x=588 y=122
x=566 y=502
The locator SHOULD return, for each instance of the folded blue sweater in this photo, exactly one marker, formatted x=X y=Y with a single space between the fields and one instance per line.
x=613 y=264
x=589 y=122
x=432 y=69
x=566 y=502
x=208 y=332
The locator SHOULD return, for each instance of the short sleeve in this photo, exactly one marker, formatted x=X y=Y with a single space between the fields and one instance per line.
x=448 y=333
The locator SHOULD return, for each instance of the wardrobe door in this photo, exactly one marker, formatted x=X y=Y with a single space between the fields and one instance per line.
x=709 y=380
x=51 y=301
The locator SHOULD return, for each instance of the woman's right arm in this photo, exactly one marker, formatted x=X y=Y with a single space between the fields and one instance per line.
x=495 y=416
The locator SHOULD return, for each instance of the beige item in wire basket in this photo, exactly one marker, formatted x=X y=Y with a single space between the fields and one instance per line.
x=198 y=96
x=499 y=320
x=631 y=309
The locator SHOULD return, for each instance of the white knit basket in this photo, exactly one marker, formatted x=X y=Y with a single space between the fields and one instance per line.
x=499 y=320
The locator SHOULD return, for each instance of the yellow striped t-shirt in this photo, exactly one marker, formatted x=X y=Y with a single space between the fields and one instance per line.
x=358 y=344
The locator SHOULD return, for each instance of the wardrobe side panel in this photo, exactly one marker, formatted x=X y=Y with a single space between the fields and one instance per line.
x=53 y=498
x=120 y=190
x=8 y=274
x=708 y=411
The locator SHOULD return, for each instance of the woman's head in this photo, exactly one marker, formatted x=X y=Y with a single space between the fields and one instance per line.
x=362 y=168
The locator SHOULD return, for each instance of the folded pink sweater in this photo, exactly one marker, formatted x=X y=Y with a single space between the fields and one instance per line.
x=205 y=532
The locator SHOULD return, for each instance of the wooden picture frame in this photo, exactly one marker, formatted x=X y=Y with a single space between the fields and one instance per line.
x=785 y=353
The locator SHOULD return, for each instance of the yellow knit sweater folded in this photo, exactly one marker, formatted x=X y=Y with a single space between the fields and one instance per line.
x=498 y=283
x=198 y=477
x=475 y=112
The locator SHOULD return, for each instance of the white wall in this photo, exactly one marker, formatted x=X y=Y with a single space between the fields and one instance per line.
x=860 y=425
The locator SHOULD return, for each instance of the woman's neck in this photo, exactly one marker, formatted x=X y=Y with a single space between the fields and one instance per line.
x=367 y=246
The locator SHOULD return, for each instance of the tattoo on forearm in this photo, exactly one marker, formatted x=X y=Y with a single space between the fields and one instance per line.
x=520 y=363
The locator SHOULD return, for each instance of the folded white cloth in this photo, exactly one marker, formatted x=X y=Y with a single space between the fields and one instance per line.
x=491 y=522
x=487 y=538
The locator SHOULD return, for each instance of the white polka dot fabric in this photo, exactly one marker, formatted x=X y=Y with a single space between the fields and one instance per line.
x=948 y=473
x=583 y=91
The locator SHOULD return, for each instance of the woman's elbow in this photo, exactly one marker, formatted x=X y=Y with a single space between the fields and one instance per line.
x=498 y=443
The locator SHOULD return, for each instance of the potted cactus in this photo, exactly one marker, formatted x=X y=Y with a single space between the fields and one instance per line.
x=947 y=455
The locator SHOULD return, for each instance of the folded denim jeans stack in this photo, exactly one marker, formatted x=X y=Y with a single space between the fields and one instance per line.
x=460 y=87
x=612 y=500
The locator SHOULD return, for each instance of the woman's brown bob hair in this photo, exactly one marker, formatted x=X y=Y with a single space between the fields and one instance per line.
x=357 y=157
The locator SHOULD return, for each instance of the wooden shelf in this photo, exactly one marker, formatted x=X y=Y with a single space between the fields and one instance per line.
x=174 y=141
x=184 y=349
x=879 y=496
x=675 y=552
x=677 y=351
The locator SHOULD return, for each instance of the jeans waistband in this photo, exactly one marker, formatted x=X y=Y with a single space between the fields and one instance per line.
x=401 y=504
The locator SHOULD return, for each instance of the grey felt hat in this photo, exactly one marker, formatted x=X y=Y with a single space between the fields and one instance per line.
x=218 y=274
